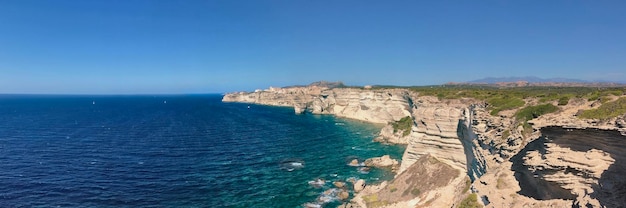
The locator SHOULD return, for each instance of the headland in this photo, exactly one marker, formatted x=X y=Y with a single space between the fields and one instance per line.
x=505 y=145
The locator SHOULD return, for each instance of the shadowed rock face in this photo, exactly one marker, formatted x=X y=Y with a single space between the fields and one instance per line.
x=587 y=166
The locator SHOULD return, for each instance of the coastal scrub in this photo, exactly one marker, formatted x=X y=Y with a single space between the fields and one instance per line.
x=403 y=125
x=531 y=112
x=470 y=201
x=606 y=110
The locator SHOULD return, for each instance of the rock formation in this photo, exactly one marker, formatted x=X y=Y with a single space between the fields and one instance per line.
x=494 y=152
x=382 y=161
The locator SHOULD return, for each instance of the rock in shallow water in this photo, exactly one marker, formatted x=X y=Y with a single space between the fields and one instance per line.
x=354 y=162
x=359 y=185
x=339 y=184
x=383 y=161
x=343 y=195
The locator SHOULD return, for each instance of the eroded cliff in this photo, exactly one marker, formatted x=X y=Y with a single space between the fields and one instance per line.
x=463 y=134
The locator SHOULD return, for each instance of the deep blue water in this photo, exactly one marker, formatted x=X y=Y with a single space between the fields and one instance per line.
x=172 y=151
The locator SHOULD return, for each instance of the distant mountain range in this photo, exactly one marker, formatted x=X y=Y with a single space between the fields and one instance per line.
x=536 y=81
x=530 y=79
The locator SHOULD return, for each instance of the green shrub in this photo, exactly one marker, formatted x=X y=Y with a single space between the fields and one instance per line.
x=468 y=184
x=470 y=201
x=564 y=100
x=606 y=110
x=605 y=99
x=403 y=125
x=531 y=112
x=415 y=192
x=594 y=96
x=506 y=134
x=504 y=103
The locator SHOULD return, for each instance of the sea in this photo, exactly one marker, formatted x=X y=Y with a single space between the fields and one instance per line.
x=176 y=151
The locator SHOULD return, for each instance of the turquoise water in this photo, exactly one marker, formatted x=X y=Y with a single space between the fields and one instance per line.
x=173 y=151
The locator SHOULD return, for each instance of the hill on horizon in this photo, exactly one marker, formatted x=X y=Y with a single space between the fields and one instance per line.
x=530 y=79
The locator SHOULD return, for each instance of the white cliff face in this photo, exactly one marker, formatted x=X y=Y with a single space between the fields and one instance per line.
x=462 y=134
x=443 y=129
x=375 y=106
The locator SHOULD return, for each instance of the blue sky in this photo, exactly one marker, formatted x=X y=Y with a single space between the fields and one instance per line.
x=158 y=46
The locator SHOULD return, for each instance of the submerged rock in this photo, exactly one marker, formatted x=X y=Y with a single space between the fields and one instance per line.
x=317 y=183
x=364 y=170
x=291 y=164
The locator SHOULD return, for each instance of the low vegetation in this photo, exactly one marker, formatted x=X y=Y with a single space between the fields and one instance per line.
x=468 y=184
x=506 y=134
x=564 y=100
x=500 y=183
x=531 y=112
x=415 y=192
x=403 y=125
x=498 y=104
x=471 y=201
x=500 y=99
x=373 y=201
x=606 y=110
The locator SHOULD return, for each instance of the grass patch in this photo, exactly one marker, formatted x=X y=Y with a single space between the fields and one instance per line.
x=468 y=183
x=506 y=134
x=415 y=192
x=605 y=99
x=504 y=103
x=370 y=198
x=403 y=125
x=372 y=201
x=471 y=201
x=564 y=100
x=607 y=110
x=500 y=184
x=392 y=189
x=531 y=112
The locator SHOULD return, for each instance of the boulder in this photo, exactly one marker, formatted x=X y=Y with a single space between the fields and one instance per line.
x=384 y=161
x=359 y=185
x=343 y=195
x=339 y=184
x=354 y=162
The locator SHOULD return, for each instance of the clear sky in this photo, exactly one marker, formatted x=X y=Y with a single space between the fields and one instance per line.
x=168 y=46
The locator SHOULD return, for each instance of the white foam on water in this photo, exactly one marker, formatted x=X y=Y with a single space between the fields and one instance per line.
x=311 y=205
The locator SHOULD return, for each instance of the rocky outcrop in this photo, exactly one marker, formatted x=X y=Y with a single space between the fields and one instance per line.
x=567 y=117
x=359 y=185
x=428 y=182
x=437 y=132
x=585 y=166
x=382 y=162
x=388 y=135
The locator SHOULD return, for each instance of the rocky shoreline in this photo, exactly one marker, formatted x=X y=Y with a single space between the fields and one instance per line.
x=473 y=151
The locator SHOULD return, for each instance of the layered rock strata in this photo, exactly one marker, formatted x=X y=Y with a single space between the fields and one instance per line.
x=462 y=134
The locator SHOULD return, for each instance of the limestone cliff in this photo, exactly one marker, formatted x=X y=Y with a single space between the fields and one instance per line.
x=461 y=133
x=376 y=106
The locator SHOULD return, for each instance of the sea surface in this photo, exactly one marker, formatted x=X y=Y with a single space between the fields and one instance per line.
x=174 y=151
